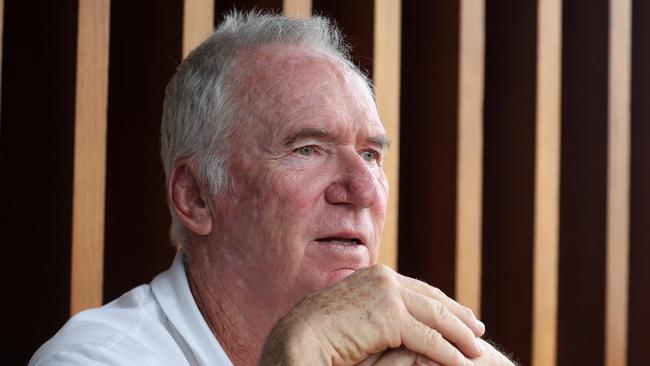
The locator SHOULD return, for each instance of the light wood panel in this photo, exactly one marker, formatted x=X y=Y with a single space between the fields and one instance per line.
x=297 y=8
x=618 y=183
x=387 y=51
x=547 y=181
x=198 y=23
x=89 y=155
x=470 y=153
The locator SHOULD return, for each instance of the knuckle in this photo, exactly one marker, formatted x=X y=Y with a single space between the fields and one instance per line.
x=466 y=312
x=434 y=338
x=437 y=293
x=440 y=311
x=384 y=276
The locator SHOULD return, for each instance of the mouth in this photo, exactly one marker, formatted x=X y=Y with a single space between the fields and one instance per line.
x=337 y=240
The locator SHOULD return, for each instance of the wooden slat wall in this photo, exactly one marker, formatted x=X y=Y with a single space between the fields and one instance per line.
x=470 y=153
x=618 y=182
x=146 y=47
x=519 y=166
x=90 y=155
x=547 y=181
x=387 y=31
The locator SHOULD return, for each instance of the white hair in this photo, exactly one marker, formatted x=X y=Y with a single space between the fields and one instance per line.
x=200 y=111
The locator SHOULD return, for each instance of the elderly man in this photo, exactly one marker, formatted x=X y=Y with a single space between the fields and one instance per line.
x=273 y=152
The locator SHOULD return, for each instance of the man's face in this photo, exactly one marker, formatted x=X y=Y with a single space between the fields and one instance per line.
x=308 y=193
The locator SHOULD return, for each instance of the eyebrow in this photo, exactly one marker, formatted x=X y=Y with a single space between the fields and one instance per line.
x=305 y=134
x=382 y=141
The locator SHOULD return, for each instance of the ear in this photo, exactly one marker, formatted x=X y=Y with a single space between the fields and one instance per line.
x=188 y=200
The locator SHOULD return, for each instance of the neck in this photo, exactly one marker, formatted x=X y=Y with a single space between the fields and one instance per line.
x=231 y=308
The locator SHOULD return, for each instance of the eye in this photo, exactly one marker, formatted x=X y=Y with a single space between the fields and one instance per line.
x=306 y=150
x=369 y=155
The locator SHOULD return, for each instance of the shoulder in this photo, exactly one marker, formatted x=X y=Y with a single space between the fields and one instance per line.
x=131 y=330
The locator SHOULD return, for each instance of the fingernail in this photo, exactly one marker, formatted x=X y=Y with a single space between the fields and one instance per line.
x=469 y=362
x=480 y=326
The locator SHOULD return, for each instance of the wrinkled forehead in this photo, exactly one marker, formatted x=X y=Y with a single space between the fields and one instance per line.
x=275 y=77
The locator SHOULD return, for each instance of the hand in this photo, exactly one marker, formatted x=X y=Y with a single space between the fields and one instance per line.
x=492 y=357
x=403 y=357
x=371 y=311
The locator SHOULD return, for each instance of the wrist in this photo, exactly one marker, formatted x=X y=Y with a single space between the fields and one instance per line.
x=293 y=342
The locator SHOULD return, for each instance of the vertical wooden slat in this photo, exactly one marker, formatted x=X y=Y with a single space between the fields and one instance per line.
x=297 y=8
x=618 y=183
x=470 y=153
x=89 y=155
x=2 y=17
x=583 y=184
x=638 y=352
x=387 y=51
x=547 y=182
x=509 y=174
x=198 y=21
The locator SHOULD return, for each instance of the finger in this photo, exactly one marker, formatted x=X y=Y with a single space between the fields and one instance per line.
x=465 y=314
x=398 y=357
x=419 y=338
x=402 y=357
x=371 y=360
x=424 y=361
x=436 y=315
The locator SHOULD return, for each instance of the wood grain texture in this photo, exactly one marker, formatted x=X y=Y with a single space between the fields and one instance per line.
x=198 y=22
x=387 y=51
x=89 y=155
x=618 y=183
x=297 y=8
x=470 y=153
x=547 y=182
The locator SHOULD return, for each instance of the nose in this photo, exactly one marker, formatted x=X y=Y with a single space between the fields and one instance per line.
x=356 y=184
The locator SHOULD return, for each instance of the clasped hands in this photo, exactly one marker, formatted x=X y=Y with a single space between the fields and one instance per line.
x=379 y=317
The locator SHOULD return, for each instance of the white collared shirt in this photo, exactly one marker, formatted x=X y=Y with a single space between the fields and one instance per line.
x=157 y=324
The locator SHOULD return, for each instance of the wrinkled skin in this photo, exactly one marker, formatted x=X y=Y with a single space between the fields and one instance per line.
x=302 y=220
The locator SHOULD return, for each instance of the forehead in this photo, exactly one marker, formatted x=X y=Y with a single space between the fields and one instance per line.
x=290 y=87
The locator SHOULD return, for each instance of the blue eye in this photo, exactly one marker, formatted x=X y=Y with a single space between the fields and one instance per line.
x=306 y=150
x=369 y=155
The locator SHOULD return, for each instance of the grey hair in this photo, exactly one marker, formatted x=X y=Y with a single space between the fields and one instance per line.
x=200 y=112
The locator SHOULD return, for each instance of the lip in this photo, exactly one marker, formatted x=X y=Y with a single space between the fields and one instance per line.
x=344 y=237
x=340 y=258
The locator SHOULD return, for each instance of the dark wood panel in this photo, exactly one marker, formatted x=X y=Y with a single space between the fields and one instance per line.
x=428 y=152
x=145 y=48
x=36 y=147
x=355 y=18
x=583 y=186
x=509 y=172
x=639 y=300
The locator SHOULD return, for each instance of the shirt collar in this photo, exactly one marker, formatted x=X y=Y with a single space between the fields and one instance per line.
x=173 y=293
